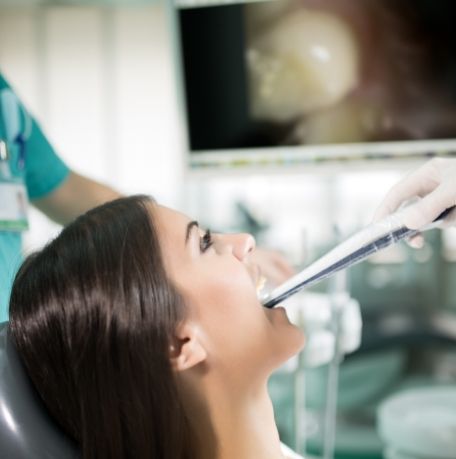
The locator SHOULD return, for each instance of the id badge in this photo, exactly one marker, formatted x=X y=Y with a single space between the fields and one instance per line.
x=13 y=206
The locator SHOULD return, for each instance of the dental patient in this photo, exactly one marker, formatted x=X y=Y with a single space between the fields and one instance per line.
x=144 y=337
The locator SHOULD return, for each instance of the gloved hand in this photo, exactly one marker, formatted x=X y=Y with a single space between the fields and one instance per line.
x=435 y=184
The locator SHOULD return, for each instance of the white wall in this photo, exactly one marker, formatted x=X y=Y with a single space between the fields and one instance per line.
x=101 y=82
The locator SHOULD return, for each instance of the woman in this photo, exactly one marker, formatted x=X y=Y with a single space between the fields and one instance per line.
x=144 y=336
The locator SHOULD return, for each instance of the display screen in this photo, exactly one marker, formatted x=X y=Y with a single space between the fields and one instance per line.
x=318 y=72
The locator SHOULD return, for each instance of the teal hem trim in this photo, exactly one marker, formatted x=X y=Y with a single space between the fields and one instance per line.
x=51 y=186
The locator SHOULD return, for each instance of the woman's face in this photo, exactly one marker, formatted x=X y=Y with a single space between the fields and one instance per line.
x=218 y=281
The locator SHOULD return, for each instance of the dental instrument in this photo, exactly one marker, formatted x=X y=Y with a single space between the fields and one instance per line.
x=377 y=236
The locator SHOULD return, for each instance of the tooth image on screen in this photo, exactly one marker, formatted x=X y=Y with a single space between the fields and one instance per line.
x=304 y=61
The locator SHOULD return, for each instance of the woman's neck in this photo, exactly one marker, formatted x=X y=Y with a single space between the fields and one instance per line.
x=229 y=423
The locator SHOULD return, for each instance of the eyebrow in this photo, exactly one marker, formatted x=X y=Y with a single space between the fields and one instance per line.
x=190 y=226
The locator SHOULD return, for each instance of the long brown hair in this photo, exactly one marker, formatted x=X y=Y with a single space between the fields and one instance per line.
x=92 y=315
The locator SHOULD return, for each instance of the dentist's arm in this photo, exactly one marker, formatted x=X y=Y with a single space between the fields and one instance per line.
x=74 y=196
x=435 y=184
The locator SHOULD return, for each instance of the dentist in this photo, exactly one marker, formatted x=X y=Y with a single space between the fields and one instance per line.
x=30 y=169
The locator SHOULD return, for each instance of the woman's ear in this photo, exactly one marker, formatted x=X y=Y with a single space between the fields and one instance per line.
x=187 y=349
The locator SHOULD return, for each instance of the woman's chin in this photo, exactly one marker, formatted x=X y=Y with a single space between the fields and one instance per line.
x=289 y=338
x=297 y=340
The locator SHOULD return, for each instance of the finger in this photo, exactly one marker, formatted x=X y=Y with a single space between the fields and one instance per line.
x=430 y=207
x=417 y=242
x=284 y=267
x=417 y=183
x=276 y=273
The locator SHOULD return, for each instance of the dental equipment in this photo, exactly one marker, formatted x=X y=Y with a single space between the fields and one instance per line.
x=355 y=249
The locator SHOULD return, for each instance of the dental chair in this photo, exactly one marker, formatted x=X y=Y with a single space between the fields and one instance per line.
x=26 y=429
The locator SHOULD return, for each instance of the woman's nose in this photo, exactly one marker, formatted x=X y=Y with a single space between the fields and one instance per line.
x=241 y=244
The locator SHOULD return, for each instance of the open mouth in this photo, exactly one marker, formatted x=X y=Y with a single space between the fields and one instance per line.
x=260 y=284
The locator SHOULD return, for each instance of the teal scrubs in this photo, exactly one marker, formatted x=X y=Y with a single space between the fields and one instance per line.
x=38 y=166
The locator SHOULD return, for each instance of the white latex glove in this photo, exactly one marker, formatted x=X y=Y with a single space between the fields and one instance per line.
x=435 y=184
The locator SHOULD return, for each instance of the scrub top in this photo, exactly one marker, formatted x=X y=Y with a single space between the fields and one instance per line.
x=33 y=162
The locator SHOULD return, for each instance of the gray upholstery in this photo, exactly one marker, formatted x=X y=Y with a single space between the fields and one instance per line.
x=26 y=429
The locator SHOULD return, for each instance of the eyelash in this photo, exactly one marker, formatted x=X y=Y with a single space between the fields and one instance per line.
x=206 y=241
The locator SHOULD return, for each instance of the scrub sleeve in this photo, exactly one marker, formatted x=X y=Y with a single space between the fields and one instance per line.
x=42 y=172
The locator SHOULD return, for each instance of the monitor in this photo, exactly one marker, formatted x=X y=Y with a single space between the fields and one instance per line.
x=286 y=82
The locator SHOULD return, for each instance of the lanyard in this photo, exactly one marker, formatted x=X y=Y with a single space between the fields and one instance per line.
x=15 y=128
x=13 y=196
x=5 y=172
x=16 y=125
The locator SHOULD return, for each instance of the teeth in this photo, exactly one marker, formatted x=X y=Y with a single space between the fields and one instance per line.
x=260 y=284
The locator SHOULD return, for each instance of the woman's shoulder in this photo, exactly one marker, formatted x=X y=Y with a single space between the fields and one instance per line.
x=289 y=453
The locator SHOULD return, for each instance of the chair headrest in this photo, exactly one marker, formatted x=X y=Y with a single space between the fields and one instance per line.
x=26 y=429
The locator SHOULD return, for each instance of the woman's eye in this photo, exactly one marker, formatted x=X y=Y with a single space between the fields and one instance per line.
x=206 y=241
